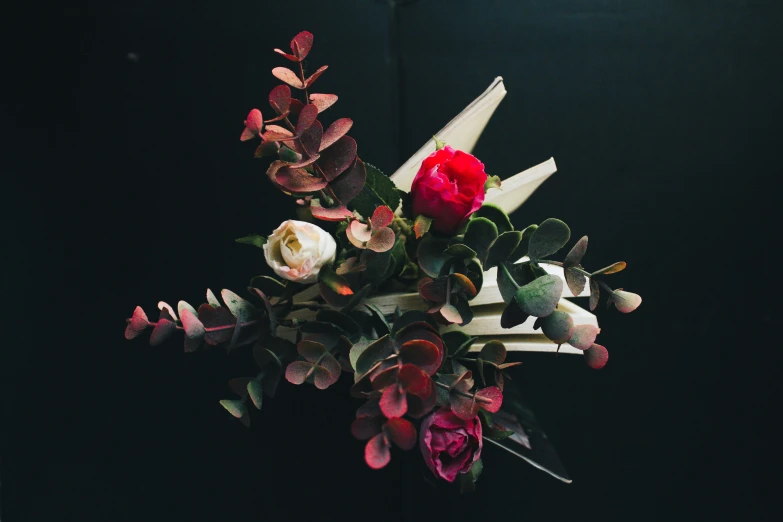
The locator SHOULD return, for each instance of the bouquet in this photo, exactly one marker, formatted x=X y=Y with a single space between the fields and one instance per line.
x=329 y=305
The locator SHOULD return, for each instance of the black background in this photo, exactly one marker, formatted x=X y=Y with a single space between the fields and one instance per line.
x=124 y=183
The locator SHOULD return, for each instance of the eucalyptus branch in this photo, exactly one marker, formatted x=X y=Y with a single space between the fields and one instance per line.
x=463 y=394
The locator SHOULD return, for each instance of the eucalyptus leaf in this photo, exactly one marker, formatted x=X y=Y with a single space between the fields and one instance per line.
x=540 y=297
x=577 y=252
x=595 y=294
x=501 y=249
x=575 y=280
x=457 y=343
x=521 y=250
x=549 y=237
x=479 y=235
x=460 y=251
x=254 y=239
x=558 y=326
x=378 y=190
x=512 y=315
x=256 y=393
x=494 y=214
x=431 y=254
x=269 y=285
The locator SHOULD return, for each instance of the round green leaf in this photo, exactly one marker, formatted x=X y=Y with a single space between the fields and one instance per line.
x=479 y=235
x=494 y=214
x=549 y=237
x=501 y=249
x=539 y=297
x=558 y=326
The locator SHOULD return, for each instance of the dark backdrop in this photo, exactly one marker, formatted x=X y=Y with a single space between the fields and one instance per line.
x=124 y=183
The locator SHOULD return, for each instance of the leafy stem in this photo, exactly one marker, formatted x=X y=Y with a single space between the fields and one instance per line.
x=482 y=400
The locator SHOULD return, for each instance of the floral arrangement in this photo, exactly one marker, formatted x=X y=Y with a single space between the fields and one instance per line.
x=359 y=236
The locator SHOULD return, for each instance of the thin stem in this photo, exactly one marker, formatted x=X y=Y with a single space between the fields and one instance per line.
x=558 y=263
x=463 y=394
x=214 y=328
x=301 y=74
x=311 y=305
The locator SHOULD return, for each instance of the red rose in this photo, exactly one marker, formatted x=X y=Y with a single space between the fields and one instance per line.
x=448 y=188
x=449 y=444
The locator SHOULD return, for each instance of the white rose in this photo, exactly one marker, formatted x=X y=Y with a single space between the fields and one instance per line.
x=297 y=250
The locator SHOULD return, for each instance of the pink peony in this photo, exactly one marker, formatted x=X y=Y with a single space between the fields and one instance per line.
x=449 y=444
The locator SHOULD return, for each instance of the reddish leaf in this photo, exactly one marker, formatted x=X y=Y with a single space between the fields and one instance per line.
x=289 y=56
x=385 y=377
x=336 y=130
x=193 y=327
x=253 y=125
x=329 y=214
x=280 y=99
x=138 y=323
x=334 y=282
x=315 y=75
x=462 y=281
x=402 y=433
x=330 y=364
x=310 y=350
x=299 y=180
x=382 y=240
x=382 y=217
x=303 y=162
x=418 y=407
x=576 y=253
x=370 y=408
x=415 y=380
x=575 y=280
x=434 y=289
x=583 y=336
x=423 y=354
x=307 y=116
x=288 y=76
x=393 y=403
x=421 y=226
x=337 y=158
x=494 y=395
x=451 y=314
x=323 y=101
x=323 y=377
x=358 y=233
x=376 y=452
x=298 y=371
x=365 y=428
x=350 y=183
x=277 y=133
x=162 y=331
x=191 y=345
x=596 y=356
x=311 y=138
x=212 y=317
x=466 y=408
x=301 y=44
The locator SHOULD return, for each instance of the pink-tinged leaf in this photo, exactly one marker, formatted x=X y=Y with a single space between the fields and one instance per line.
x=421 y=226
x=304 y=162
x=434 y=289
x=194 y=329
x=301 y=44
x=334 y=282
x=402 y=433
x=279 y=117
x=323 y=101
x=491 y=394
x=350 y=183
x=596 y=356
x=212 y=317
x=462 y=281
x=423 y=354
x=365 y=428
x=351 y=266
x=376 y=452
x=253 y=125
x=288 y=76
x=296 y=107
x=466 y=408
x=298 y=371
x=337 y=158
x=382 y=217
x=307 y=116
x=286 y=55
x=277 y=133
x=332 y=365
x=382 y=240
x=323 y=378
x=583 y=336
x=451 y=314
x=358 y=233
x=384 y=378
x=299 y=180
x=336 y=130
x=329 y=214
x=166 y=311
x=415 y=380
x=315 y=75
x=576 y=253
x=310 y=350
x=235 y=408
x=137 y=324
x=162 y=331
x=310 y=139
x=280 y=99
x=393 y=402
x=626 y=302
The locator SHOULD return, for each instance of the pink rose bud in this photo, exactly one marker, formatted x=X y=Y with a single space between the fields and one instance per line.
x=449 y=444
x=448 y=188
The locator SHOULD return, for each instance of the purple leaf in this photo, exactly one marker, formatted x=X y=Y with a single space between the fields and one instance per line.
x=253 y=125
x=337 y=158
x=307 y=116
x=349 y=184
x=336 y=130
x=280 y=99
x=311 y=139
x=308 y=82
x=162 y=331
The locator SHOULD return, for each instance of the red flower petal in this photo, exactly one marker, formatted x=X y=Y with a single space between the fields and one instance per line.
x=393 y=402
x=376 y=452
x=402 y=433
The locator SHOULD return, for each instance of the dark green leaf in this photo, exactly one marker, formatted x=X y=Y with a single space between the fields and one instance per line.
x=506 y=284
x=380 y=323
x=357 y=298
x=334 y=282
x=501 y=249
x=254 y=240
x=234 y=407
x=378 y=190
x=467 y=481
x=410 y=317
x=479 y=235
x=376 y=351
x=521 y=250
x=460 y=251
x=558 y=326
x=457 y=343
x=512 y=315
x=540 y=297
x=549 y=237
x=255 y=392
x=342 y=321
x=496 y=215
x=432 y=255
